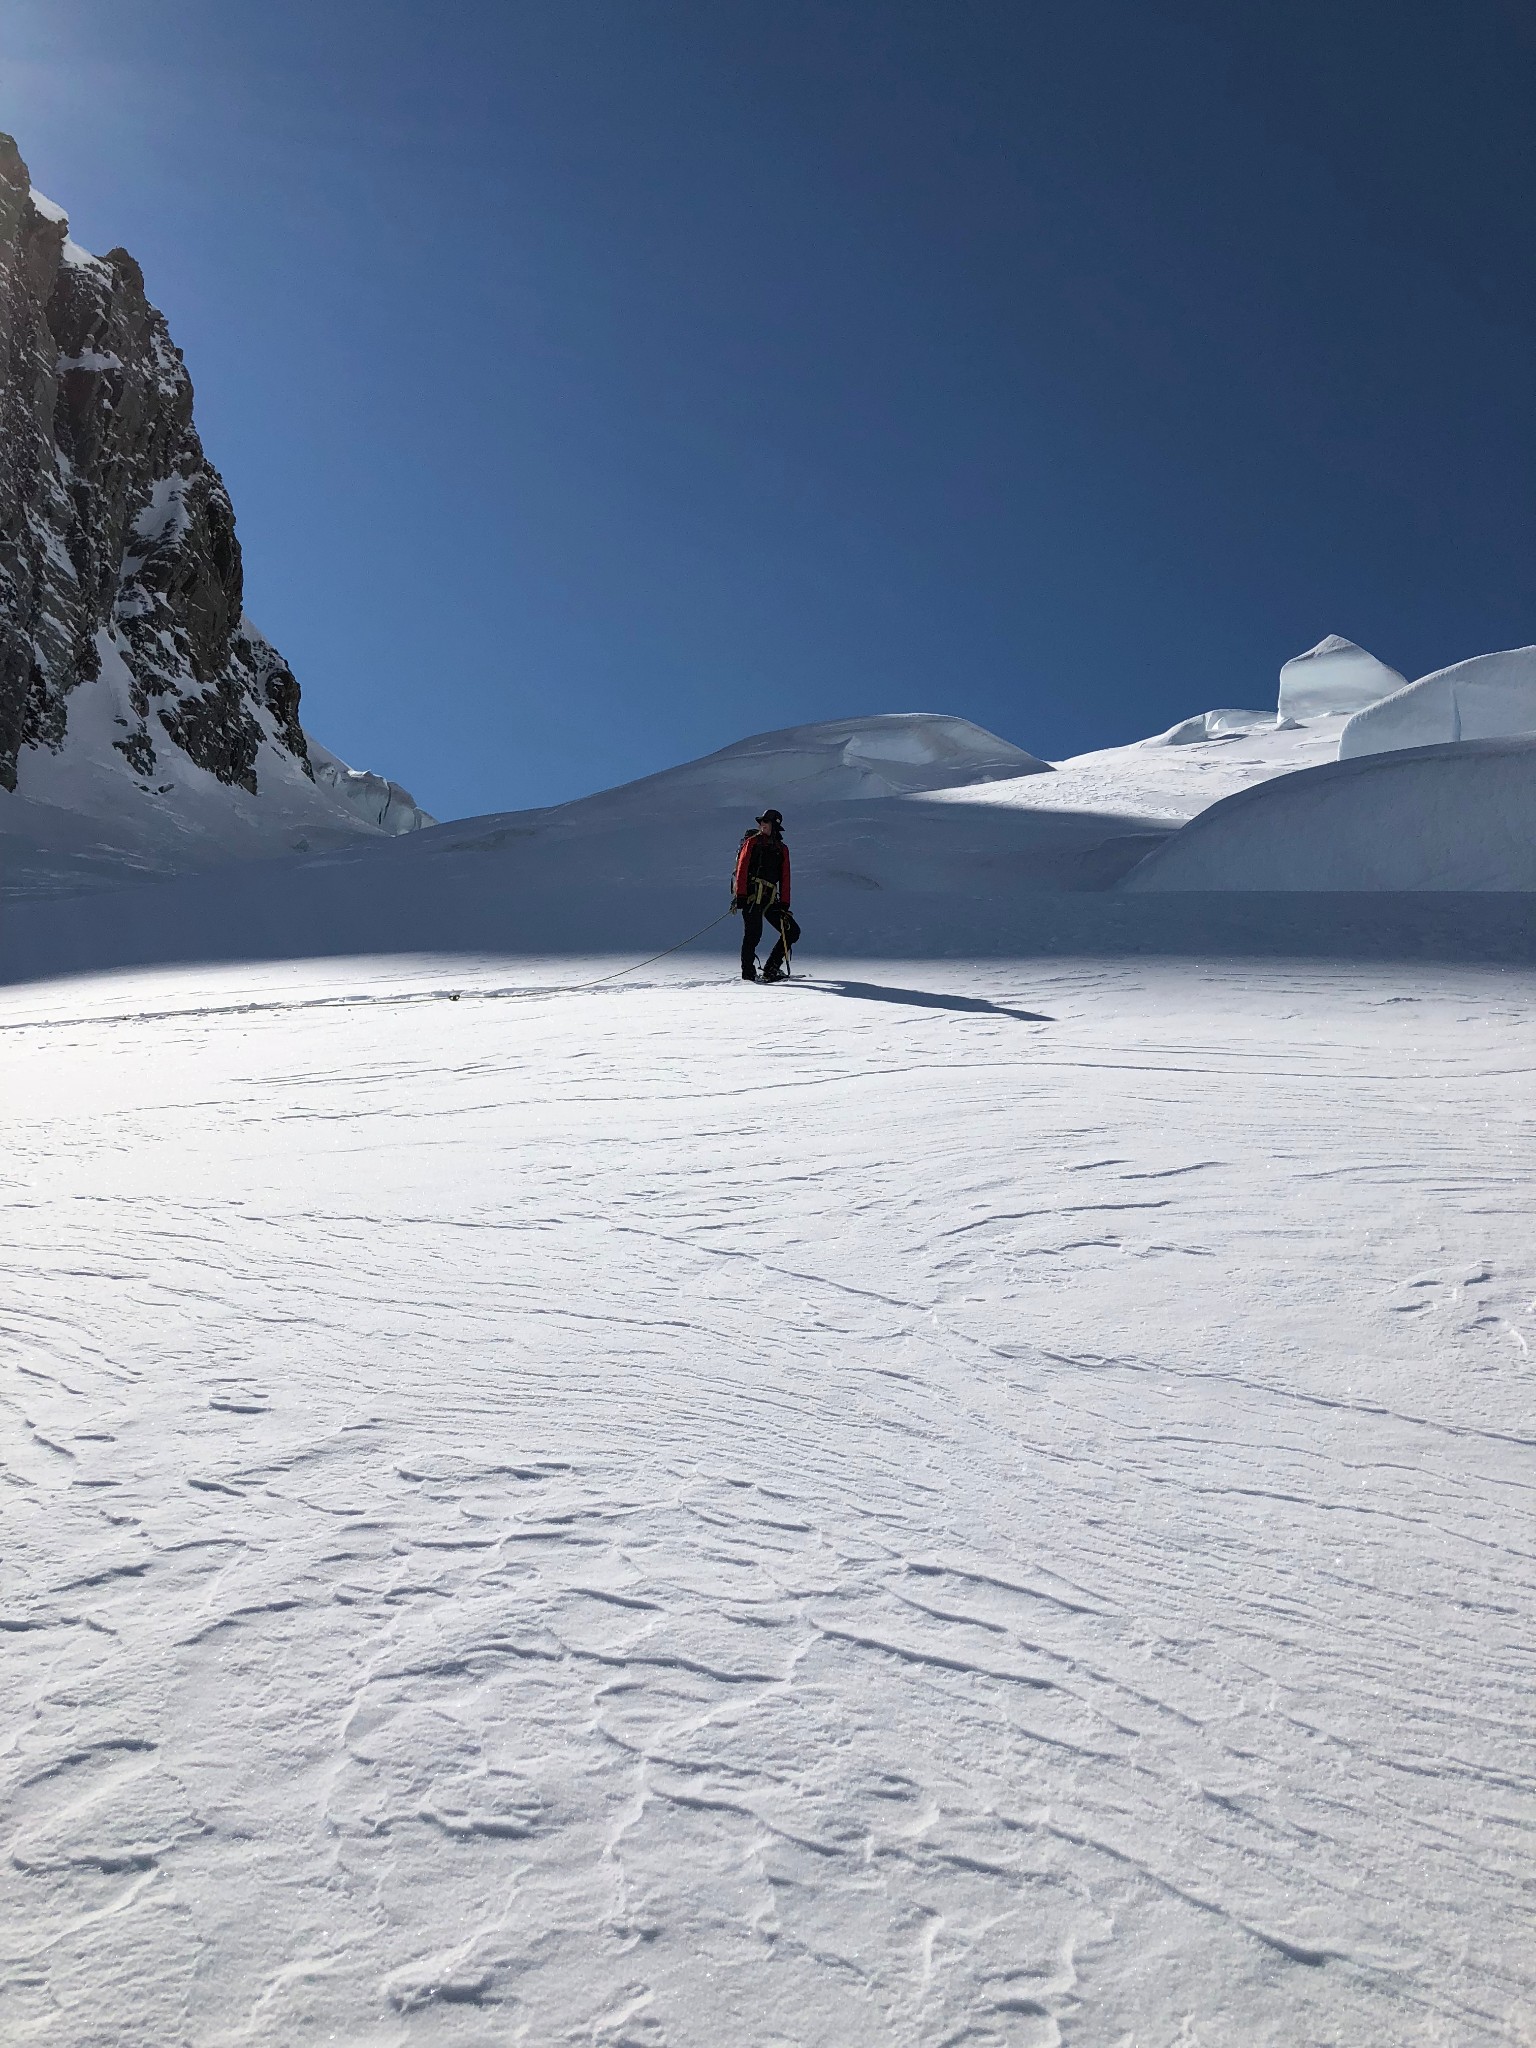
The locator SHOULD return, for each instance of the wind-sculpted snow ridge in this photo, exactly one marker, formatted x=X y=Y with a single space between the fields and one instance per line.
x=1458 y=818
x=1334 y=677
x=372 y=797
x=892 y=754
x=973 y=1507
x=1228 y=723
x=145 y=724
x=1492 y=696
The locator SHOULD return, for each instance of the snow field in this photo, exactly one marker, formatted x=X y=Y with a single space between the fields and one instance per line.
x=946 y=1504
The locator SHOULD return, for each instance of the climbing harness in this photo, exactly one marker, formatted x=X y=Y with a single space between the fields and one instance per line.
x=762 y=895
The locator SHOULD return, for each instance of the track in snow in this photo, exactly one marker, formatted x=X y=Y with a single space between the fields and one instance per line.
x=961 y=1504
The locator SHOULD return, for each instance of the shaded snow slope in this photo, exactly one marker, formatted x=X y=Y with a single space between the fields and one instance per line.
x=1457 y=817
x=985 y=869
x=1334 y=677
x=951 y=1504
x=1493 y=696
x=880 y=873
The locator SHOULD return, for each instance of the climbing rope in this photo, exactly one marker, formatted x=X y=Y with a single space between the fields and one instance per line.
x=575 y=988
x=426 y=995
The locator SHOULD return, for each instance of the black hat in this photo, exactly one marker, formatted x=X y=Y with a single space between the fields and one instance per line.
x=770 y=817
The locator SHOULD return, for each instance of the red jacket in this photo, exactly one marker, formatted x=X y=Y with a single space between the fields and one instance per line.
x=762 y=856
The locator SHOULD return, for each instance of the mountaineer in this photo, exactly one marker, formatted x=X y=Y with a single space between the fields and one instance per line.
x=761 y=890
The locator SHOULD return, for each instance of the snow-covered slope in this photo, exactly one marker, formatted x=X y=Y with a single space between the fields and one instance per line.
x=1492 y=696
x=81 y=819
x=953 y=1504
x=984 y=868
x=145 y=724
x=649 y=862
x=1453 y=817
x=1177 y=773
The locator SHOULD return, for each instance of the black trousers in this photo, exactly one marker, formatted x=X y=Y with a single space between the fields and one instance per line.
x=752 y=930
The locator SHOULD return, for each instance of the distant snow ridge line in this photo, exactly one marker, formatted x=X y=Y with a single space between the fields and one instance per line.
x=1454 y=817
x=890 y=754
x=129 y=672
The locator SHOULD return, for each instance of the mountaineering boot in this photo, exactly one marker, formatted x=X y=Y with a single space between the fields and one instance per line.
x=772 y=973
x=749 y=973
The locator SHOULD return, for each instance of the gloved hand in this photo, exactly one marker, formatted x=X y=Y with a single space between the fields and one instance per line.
x=738 y=903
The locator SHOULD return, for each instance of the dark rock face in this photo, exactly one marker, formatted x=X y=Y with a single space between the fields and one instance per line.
x=112 y=520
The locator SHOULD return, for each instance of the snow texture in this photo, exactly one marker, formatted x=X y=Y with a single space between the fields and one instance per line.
x=942 y=1504
x=1334 y=677
x=1455 y=818
x=1489 y=697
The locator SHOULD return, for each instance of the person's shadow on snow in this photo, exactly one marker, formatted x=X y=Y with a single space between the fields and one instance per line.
x=924 y=999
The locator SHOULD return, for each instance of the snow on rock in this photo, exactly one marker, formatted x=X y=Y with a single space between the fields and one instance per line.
x=1334 y=676
x=142 y=716
x=1492 y=696
x=1439 y=818
x=91 y=813
x=119 y=522
x=373 y=798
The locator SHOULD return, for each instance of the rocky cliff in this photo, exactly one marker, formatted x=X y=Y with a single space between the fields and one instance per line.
x=112 y=519
x=122 y=632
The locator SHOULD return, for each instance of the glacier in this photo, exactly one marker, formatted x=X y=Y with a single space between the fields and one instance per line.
x=978 y=1493
x=981 y=1494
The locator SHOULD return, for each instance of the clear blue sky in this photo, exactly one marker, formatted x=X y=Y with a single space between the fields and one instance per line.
x=599 y=381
